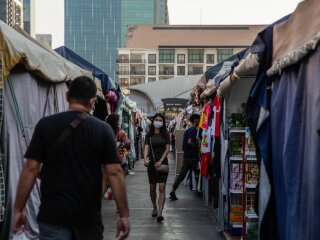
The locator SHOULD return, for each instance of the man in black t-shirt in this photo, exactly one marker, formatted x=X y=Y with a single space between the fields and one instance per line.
x=190 y=154
x=71 y=173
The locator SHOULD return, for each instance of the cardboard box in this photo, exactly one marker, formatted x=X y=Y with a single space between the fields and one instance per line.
x=236 y=208
x=236 y=217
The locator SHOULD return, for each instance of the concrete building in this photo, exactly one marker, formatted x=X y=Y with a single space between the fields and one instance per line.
x=154 y=53
x=151 y=97
x=29 y=17
x=96 y=29
x=45 y=39
x=11 y=12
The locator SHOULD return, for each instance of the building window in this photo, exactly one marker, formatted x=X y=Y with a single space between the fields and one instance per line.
x=166 y=55
x=123 y=58
x=152 y=58
x=181 y=58
x=163 y=70
x=195 y=70
x=224 y=53
x=210 y=58
x=195 y=55
x=181 y=70
x=136 y=58
x=151 y=79
x=152 y=70
x=124 y=82
x=123 y=70
x=136 y=80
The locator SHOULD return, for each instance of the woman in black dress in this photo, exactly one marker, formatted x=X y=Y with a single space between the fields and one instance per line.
x=156 y=149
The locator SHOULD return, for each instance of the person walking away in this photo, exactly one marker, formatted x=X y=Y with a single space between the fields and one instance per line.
x=122 y=141
x=156 y=149
x=190 y=154
x=72 y=148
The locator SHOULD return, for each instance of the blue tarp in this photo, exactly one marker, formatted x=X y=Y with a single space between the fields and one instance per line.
x=213 y=71
x=106 y=82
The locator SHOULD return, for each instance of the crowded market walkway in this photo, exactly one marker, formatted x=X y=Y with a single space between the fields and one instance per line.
x=186 y=219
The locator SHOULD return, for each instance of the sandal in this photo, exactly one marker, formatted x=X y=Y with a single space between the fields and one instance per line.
x=154 y=213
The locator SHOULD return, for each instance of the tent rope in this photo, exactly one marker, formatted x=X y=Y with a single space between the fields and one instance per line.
x=55 y=99
x=20 y=122
x=17 y=110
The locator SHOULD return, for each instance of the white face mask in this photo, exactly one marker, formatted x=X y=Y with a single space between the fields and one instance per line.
x=157 y=124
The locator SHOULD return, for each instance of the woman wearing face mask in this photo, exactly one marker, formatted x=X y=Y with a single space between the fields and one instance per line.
x=155 y=153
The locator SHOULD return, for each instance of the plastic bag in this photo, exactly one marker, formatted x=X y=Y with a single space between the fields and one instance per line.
x=20 y=236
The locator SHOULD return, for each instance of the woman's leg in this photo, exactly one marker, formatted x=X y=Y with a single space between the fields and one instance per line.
x=162 y=197
x=153 y=195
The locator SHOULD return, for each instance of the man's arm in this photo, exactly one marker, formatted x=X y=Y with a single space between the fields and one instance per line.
x=27 y=179
x=145 y=155
x=117 y=183
x=104 y=182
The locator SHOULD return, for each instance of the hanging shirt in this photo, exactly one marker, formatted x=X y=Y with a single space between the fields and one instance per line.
x=206 y=141
x=216 y=110
x=206 y=114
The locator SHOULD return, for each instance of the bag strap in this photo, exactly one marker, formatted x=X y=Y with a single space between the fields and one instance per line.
x=62 y=137
x=74 y=124
x=154 y=159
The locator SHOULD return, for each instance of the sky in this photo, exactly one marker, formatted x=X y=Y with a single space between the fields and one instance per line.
x=50 y=13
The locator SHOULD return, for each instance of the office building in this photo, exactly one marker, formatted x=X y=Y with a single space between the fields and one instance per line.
x=96 y=29
x=29 y=18
x=159 y=52
x=11 y=12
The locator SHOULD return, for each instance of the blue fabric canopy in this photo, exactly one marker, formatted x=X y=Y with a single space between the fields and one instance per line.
x=213 y=71
x=106 y=82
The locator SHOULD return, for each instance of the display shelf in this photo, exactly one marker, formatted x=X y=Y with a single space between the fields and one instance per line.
x=251 y=159
x=237 y=225
x=240 y=130
x=251 y=185
x=235 y=158
x=236 y=191
x=251 y=215
x=250 y=153
x=235 y=183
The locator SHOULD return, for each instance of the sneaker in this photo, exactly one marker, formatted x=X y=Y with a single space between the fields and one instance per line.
x=173 y=196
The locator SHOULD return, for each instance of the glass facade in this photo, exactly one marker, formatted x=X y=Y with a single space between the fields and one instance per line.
x=93 y=30
x=96 y=29
x=136 y=12
x=26 y=16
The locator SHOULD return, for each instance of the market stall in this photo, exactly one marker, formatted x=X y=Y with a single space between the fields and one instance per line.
x=33 y=85
x=277 y=80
